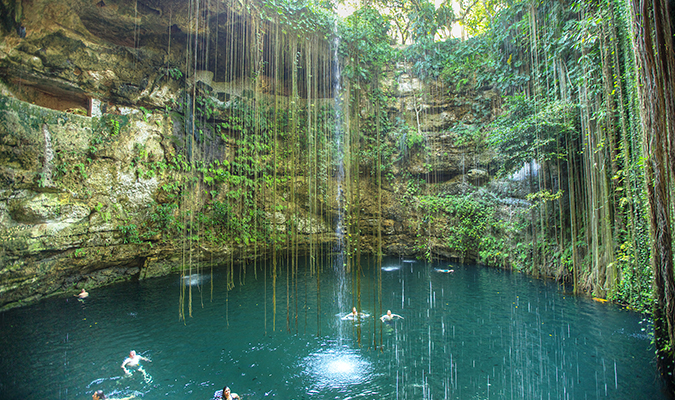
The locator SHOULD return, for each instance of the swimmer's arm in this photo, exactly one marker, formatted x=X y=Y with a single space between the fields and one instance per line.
x=397 y=316
x=145 y=359
x=126 y=371
x=235 y=396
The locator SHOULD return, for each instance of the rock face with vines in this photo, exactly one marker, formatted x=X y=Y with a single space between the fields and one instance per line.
x=140 y=156
x=134 y=137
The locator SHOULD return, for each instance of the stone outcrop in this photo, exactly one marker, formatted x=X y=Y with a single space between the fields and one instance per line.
x=88 y=146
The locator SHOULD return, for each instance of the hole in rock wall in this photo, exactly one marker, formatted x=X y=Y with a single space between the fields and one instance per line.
x=52 y=97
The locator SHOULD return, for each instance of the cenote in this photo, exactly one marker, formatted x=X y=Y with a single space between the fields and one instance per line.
x=475 y=333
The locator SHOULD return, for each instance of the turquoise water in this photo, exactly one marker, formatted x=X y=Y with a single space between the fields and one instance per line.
x=477 y=333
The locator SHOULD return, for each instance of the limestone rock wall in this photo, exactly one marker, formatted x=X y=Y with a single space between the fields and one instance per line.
x=88 y=146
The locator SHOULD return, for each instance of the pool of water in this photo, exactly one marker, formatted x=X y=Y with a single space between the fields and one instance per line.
x=475 y=333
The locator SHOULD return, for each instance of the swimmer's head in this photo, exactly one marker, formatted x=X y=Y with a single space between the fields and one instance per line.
x=98 y=395
x=132 y=353
x=354 y=310
x=226 y=391
x=388 y=312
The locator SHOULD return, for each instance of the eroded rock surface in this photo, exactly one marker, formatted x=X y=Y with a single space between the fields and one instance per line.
x=94 y=101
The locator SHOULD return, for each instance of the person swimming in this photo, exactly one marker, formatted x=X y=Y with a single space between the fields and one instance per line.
x=225 y=394
x=134 y=361
x=389 y=317
x=82 y=295
x=446 y=271
x=354 y=315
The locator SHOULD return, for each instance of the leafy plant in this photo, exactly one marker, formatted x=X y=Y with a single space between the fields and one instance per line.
x=175 y=73
x=129 y=233
x=146 y=113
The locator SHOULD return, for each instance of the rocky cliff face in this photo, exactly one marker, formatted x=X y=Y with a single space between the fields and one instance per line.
x=97 y=129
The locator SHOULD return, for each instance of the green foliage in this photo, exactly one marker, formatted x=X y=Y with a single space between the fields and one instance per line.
x=635 y=286
x=414 y=140
x=105 y=215
x=365 y=45
x=163 y=219
x=206 y=107
x=417 y=20
x=107 y=130
x=298 y=17
x=467 y=219
x=427 y=20
x=129 y=234
x=174 y=73
x=473 y=136
x=224 y=223
x=41 y=181
x=475 y=17
x=530 y=130
x=80 y=169
x=146 y=113
x=413 y=187
x=633 y=259
x=112 y=124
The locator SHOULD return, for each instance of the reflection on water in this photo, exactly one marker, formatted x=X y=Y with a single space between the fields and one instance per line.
x=195 y=279
x=475 y=333
x=336 y=367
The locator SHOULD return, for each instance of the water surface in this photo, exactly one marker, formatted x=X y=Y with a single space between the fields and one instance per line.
x=475 y=333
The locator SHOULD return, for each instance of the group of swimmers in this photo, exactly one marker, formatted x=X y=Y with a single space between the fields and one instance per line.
x=134 y=359
x=224 y=394
x=355 y=315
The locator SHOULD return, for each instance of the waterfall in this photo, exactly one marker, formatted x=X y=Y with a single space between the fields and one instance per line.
x=338 y=133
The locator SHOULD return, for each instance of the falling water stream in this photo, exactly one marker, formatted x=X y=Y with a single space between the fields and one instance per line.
x=476 y=333
x=340 y=229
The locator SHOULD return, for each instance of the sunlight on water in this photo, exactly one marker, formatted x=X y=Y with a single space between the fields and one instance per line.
x=195 y=279
x=391 y=268
x=336 y=367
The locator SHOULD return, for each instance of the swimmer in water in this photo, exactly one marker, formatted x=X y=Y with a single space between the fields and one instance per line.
x=355 y=315
x=134 y=361
x=389 y=317
x=446 y=271
x=82 y=295
x=225 y=394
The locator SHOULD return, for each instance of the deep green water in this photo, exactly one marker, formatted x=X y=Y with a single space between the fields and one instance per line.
x=477 y=333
